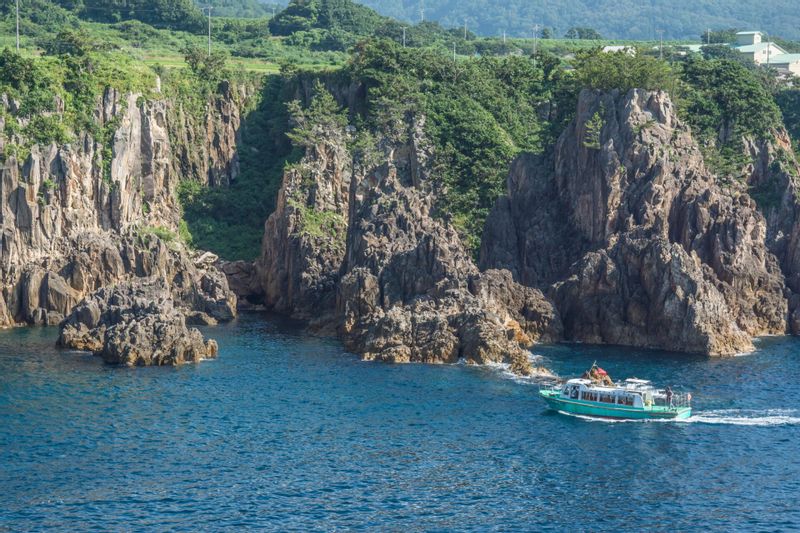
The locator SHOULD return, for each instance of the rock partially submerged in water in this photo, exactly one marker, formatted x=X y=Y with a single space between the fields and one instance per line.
x=135 y=324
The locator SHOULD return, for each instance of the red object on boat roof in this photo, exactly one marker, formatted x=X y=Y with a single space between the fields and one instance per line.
x=601 y=371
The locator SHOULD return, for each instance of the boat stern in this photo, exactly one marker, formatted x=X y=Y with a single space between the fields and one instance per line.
x=682 y=413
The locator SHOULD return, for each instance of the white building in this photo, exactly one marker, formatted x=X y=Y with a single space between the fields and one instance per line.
x=613 y=49
x=752 y=45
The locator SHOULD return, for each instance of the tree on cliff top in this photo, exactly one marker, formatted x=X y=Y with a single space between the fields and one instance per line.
x=208 y=68
x=723 y=99
x=596 y=69
x=313 y=124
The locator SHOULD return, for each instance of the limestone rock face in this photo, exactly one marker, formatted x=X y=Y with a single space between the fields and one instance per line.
x=634 y=238
x=242 y=277
x=69 y=220
x=304 y=239
x=207 y=150
x=354 y=246
x=774 y=183
x=134 y=324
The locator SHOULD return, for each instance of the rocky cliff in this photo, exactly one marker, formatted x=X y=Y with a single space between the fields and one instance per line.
x=773 y=179
x=81 y=216
x=635 y=239
x=355 y=246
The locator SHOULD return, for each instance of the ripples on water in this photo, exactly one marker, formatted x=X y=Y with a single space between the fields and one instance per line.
x=288 y=432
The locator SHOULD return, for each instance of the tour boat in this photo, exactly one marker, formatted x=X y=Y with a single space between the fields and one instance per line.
x=595 y=395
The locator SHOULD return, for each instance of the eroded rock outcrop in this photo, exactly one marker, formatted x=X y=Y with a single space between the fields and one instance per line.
x=135 y=324
x=634 y=238
x=304 y=239
x=773 y=179
x=354 y=246
x=78 y=217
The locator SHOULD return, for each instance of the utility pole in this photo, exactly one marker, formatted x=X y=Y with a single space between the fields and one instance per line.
x=769 y=49
x=17 y=26
x=209 y=30
x=454 y=52
x=465 y=29
x=404 y=36
x=422 y=11
x=661 y=44
x=504 y=38
x=535 y=42
x=708 y=36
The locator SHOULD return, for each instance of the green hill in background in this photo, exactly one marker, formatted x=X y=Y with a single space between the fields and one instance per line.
x=617 y=19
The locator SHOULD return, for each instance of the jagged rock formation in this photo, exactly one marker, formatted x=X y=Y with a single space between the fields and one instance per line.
x=243 y=281
x=354 y=245
x=304 y=239
x=207 y=150
x=134 y=324
x=50 y=287
x=774 y=182
x=78 y=217
x=634 y=238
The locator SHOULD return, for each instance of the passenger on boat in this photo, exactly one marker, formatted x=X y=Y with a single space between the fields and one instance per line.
x=598 y=375
x=668 y=390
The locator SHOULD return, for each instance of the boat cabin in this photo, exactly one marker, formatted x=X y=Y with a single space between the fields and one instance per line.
x=636 y=393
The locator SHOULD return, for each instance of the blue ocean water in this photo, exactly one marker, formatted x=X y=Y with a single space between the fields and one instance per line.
x=288 y=432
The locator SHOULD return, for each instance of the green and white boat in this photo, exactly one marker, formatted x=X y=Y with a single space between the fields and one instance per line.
x=630 y=399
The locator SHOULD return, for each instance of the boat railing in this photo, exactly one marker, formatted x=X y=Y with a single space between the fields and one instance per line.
x=679 y=399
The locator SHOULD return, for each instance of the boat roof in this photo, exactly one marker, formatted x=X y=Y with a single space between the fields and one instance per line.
x=630 y=385
x=580 y=381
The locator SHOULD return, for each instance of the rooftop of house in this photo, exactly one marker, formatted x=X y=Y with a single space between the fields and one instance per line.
x=785 y=59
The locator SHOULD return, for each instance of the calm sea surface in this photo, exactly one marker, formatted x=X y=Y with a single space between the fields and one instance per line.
x=289 y=432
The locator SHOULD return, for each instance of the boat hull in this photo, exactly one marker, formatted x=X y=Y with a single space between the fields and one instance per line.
x=595 y=409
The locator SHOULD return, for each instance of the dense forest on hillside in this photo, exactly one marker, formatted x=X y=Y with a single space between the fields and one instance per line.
x=618 y=19
x=242 y=8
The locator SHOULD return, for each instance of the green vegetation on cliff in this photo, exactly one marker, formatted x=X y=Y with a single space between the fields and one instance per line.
x=55 y=96
x=479 y=113
x=726 y=102
x=230 y=221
